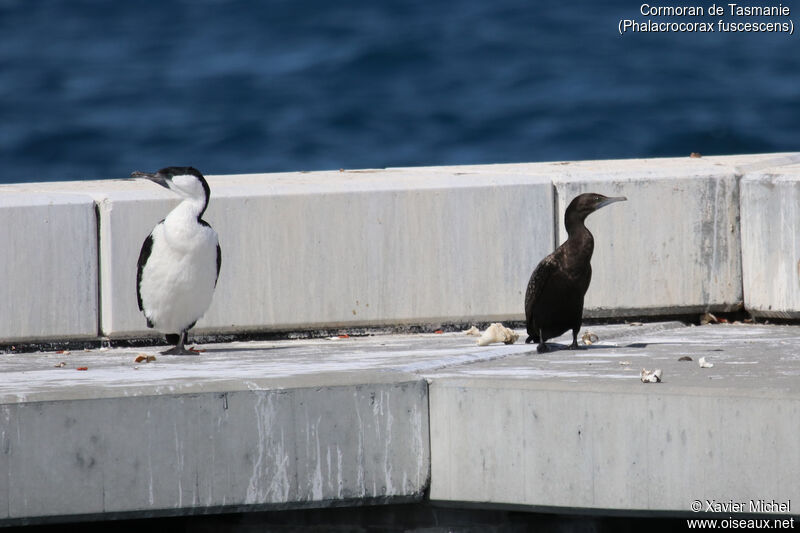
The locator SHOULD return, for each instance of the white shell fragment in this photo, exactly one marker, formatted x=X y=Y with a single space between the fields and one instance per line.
x=497 y=332
x=705 y=364
x=473 y=331
x=651 y=376
x=589 y=338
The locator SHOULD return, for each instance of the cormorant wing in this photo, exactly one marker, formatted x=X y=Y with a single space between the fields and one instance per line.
x=219 y=263
x=219 y=250
x=144 y=255
x=538 y=280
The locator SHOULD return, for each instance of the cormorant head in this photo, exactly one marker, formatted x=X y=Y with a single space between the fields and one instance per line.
x=584 y=204
x=186 y=182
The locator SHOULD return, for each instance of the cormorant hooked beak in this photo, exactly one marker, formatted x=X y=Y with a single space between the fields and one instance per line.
x=156 y=178
x=608 y=201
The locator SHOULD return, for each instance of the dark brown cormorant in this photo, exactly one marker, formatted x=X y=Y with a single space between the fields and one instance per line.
x=554 y=299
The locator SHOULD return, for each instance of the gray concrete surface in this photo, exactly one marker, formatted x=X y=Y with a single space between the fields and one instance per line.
x=352 y=242
x=770 y=245
x=580 y=430
x=678 y=231
x=221 y=431
x=415 y=245
x=48 y=267
x=674 y=247
x=338 y=421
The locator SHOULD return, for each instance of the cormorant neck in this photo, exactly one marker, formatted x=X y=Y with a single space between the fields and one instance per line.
x=189 y=208
x=574 y=223
x=580 y=241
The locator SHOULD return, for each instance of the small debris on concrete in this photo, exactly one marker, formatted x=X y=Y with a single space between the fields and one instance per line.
x=705 y=364
x=695 y=155
x=589 y=338
x=651 y=376
x=60 y=365
x=144 y=357
x=440 y=331
x=636 y=323
x=685 y=358
x=473 y=332
x=708 y=318
x=497 y=332
x=624 y=363
x=63 y=352
x=82 y=368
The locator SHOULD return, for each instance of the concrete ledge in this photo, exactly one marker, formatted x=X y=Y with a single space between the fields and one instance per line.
x=154 y=455
x=770 y=247
x=307 y=250
x=48 y=267
x=673 y=248
x=580 y=431
x=422 y=245
x=329 y=422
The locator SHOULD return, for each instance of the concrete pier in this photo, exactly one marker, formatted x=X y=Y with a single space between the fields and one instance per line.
x=384 y=418
x=408 y=246
x=580 y=430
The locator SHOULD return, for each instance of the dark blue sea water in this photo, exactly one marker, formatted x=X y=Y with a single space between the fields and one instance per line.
x=96 y=89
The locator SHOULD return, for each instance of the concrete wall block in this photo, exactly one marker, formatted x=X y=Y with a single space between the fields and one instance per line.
x=377 y=247
x=601 y=450
x=330 y=249
x=48 y=267
x=5 y=447
x=377 y=257
x=673 y=247
x=257 y=448
x=770 y=246
x=125 y=223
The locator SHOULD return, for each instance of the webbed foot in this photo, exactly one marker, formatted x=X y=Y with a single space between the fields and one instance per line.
x=180 y=350
x=542 y=348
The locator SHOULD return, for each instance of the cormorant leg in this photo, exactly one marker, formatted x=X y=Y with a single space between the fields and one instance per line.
x=542 y=345
x=179 y=348
x=574 y=345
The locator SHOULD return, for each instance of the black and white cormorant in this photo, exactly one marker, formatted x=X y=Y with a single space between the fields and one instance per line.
x=554 y=298
x=180 y=260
